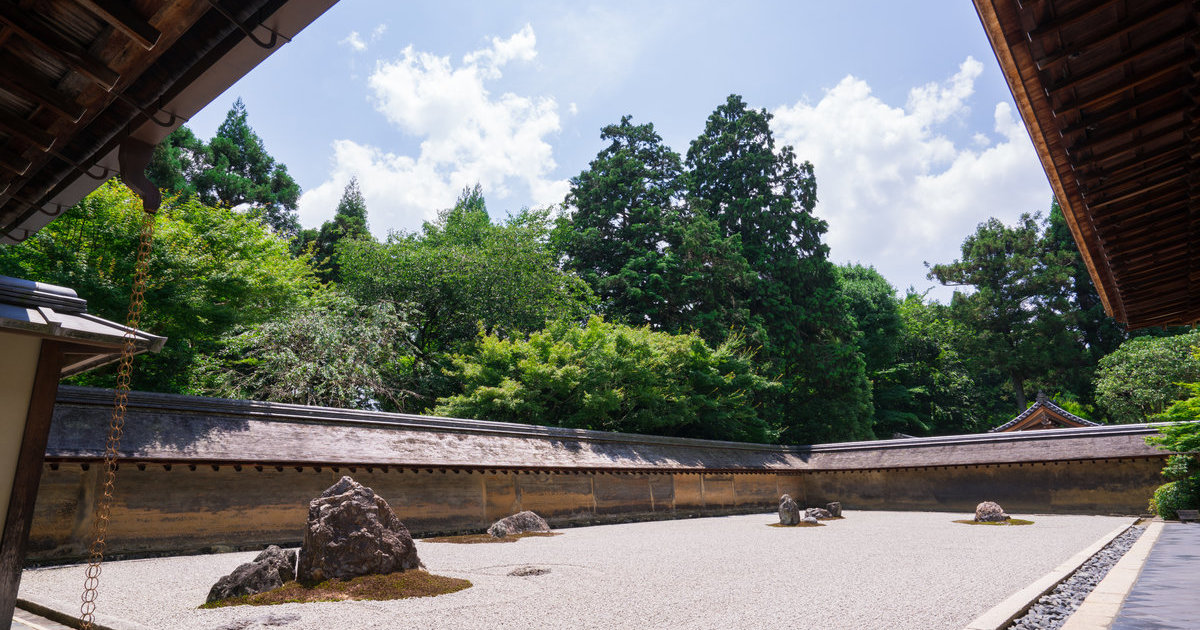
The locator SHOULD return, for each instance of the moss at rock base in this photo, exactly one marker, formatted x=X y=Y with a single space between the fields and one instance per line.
x=399 y=585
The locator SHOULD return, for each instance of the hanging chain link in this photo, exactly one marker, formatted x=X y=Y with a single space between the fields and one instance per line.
x=116 y=425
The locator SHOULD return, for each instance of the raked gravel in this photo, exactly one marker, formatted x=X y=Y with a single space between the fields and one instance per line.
x=894 y=570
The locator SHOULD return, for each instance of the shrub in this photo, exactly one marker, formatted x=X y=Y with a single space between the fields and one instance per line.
x=1173 y=496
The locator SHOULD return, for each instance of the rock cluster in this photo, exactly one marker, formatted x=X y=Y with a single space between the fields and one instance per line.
x=1053 y=609
x=269 y=570
x=818 y=513
x=789 y=512
x=519 y=523
x=990 y=512
x=352 y=532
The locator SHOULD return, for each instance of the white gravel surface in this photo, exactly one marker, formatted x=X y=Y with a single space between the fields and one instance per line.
x=890 y=570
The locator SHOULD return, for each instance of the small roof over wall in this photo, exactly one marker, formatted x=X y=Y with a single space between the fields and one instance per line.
x=53 y=312
x=1044 y=414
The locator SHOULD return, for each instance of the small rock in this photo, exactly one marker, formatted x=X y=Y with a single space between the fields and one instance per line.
x=835 y=508
x=518 y=523
x=990 y=512
x=789 y=512
x=811 y=520
x=528 y=570
x=352 y=532
x=818 y=513
x=269 y=570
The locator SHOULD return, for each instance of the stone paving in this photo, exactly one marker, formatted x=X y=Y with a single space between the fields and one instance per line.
x=1167 y=593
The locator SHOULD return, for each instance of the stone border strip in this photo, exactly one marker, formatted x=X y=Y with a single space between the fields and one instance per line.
x=1099 y=609
x=71 y=620
x=1003 y=614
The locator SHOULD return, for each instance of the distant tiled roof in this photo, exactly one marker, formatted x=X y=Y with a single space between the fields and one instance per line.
x=1048 y=405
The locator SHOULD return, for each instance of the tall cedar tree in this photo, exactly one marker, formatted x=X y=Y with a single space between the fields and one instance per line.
x=1019 y=303
x=622 y=215
x=652 y=259
x=766 y=198
x=232 y=169
x=349 y=222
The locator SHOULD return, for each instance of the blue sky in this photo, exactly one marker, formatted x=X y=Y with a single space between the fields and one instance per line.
x=901 y=107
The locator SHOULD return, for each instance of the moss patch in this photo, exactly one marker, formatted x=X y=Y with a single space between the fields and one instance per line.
x=475 y=539
x=401 y=585
x=1011 y=521
x=796 y=525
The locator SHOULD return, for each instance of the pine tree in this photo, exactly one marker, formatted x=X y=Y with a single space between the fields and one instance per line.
x=349 y=222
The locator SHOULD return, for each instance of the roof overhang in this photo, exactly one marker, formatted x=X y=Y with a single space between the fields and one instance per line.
x=80 y=77
x=1108 y=92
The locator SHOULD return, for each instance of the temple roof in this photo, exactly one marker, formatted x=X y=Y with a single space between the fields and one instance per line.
x=1044 y=414
x=1108 y=93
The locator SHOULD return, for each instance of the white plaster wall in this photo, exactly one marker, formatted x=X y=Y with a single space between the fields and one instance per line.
x=18 y=365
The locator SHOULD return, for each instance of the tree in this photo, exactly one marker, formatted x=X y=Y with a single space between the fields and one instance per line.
x=238 y=170
x=1182 y=438
x=176 y=163
x=650 y=258
x=1017 y=304
x=462 y=274
x=610 y=377
x=1096 y=333
x=766 y=198
x=349 y=222
x=335 y=354
x=211 y=270
x=944 y=397
x=1144 y=375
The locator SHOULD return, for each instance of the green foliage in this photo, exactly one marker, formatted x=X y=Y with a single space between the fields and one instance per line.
x=349 y=222
x=944 y=396
x=612 y=377
x=460 y=274
x=1145 y=374
x=622 y=216
x=232 y=169
x=334 y=354
x=1017 y=306
x=765 y=198
x=1175 y=495
x=211 y=270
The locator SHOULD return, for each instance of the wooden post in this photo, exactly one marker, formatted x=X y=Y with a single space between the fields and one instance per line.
x=15 y=535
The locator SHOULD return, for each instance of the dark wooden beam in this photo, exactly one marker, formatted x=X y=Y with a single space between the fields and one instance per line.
x=21 y=128
x=15 y=535
x=124 y=19
x=19 y=79
x=1081 y=46
x=12 y=162
x=1175 y=39
x=32 y=30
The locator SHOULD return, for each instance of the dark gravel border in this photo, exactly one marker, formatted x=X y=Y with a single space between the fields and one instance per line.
x=1053 y=609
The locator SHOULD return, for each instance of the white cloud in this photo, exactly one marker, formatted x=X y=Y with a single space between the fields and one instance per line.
x=895 y=190
x=354 y=41
x=467 y=135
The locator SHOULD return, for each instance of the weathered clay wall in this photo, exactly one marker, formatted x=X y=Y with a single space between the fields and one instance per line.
x=188 y=511
x=199 y=474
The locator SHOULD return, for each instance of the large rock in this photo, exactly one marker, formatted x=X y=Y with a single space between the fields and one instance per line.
x=818 y=513
x=352 y=532
x=990 y=512
x=835 y=508
x=789 y=511
x=519 y=523
x=269 y=570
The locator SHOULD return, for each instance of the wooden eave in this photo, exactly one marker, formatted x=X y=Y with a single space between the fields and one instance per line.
x=1108 y=92
x=79 y=77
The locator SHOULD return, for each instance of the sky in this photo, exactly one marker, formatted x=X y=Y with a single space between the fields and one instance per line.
x=901 y=108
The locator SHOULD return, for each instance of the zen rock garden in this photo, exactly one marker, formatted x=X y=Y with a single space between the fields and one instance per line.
x=791 y=515
x=351 y=532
